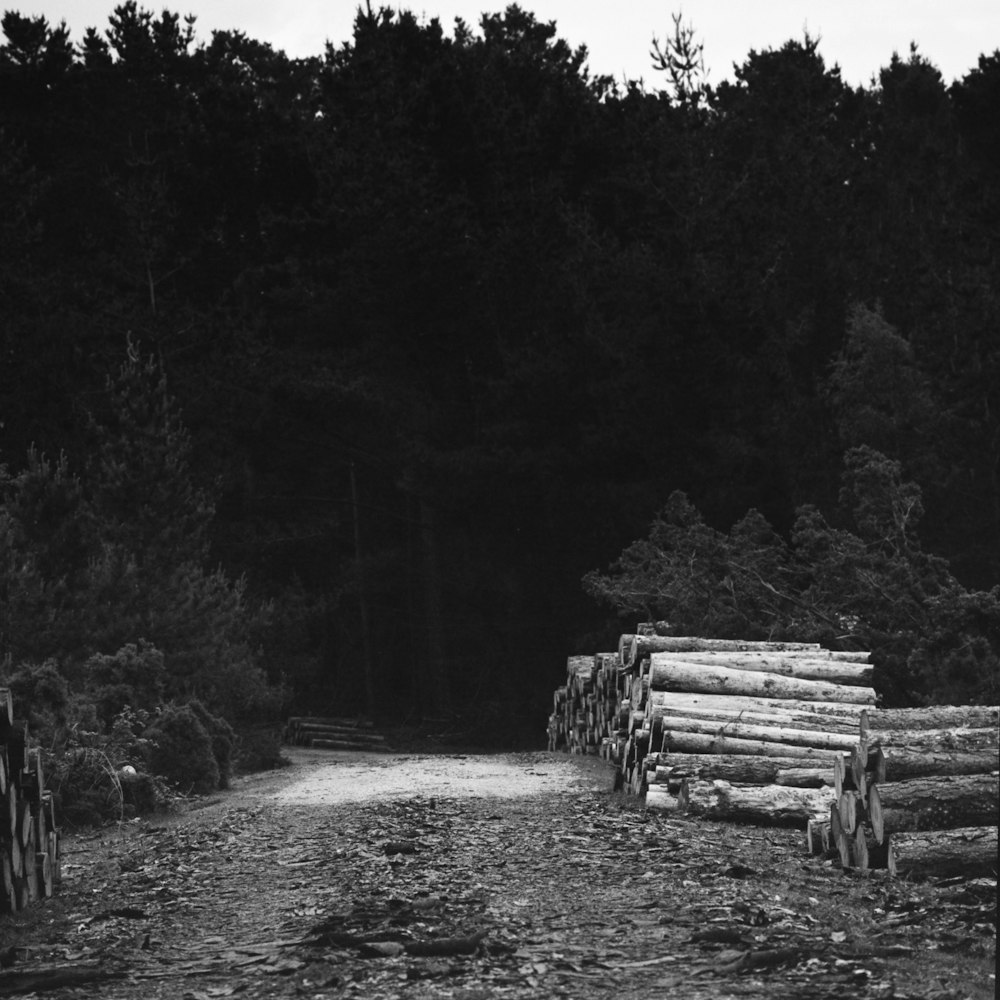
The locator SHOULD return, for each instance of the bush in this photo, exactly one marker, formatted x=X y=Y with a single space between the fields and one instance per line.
x=223 y=739
x=90 y=778
x=260 y=749
x=131 y=678
x=182 y=750
x=41 y=695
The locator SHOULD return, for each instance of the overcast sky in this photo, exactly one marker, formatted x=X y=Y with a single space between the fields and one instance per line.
x=858 y=35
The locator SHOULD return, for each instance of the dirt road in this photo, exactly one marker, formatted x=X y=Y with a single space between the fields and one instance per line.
x=324 y=778
x=474 y=877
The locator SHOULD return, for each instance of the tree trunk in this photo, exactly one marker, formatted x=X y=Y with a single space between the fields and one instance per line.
x=737 y=729
x=669 y=674
x=938 y=717
x=698 y=743
x=786 y=664
x=970 y=852
x=366 y=638
x=439 y=687
x=767 y=805
x=900 y=764
x=929 y=740
x=739 y=768
x=933 y=803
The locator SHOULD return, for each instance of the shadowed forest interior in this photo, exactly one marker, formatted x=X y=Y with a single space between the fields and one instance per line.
x=354 y=384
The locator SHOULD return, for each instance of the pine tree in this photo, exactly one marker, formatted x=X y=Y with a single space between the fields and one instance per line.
x=150 y=578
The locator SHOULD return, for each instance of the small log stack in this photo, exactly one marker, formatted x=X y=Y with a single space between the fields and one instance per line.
x=29 y=837
x=788 y=733
x=334 y=734
x=919 y=795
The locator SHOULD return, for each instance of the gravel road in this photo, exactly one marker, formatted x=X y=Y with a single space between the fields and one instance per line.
x=324 y=777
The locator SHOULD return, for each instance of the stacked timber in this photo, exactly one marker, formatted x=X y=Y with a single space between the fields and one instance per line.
x=789 y=733
x=334 y=734
x=919 y=795
x=680 y=715
x=29 y=837
x=591 y=708
x=792 y=708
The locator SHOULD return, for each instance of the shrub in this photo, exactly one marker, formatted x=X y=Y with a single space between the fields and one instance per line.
x=133 y=677
x=88 y=775
x=223 y=739
x=182 y=750
x=41 y=695
x=260 y=749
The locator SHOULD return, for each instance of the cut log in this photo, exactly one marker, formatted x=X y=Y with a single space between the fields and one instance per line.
x=625 y=649
x=849 y=776
x=8 y=812
x=645 y=645
x=767 y=805
x=6 y=710
x=771 y=717
x=660 y=797
x=865 y=853
x=787 y=664
x=305 y=733
x=774 y=734
x=936 y=717
x=805 y=777
x=933 y=803
x=699 y=743
x=970 y=852
x=332 y=721
x=845 y=713
x=818 y=836
x=852 y=811
x=931 y=740
x=319 y=743
x=901 y=764
x=739 y=768
x=669 y=674
x=838 y=836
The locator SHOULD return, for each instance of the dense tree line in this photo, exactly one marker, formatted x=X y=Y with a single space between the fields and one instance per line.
x=448 y=318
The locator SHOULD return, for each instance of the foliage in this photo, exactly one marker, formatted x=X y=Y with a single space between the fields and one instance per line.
x=116 y=560
x=132 y=678
x=866 y=586
x=41 y=696
x=89 y=775
x=182 y=750
x=446 y=317
x=223 y=737
x=259 y=748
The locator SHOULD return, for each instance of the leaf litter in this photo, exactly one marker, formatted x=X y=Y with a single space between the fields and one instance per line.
x=580 y=893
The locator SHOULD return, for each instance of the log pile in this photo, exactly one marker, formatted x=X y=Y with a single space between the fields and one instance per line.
x=788 y=733
x=334 y=734
x=919 y=795
x=29 y=837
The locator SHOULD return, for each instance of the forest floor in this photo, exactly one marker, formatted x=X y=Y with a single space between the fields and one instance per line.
x=466 y=876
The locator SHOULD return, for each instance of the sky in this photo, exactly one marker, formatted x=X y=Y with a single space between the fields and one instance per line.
x=860 y=36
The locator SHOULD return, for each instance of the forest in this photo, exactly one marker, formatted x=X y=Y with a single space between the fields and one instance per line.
x=380 y=381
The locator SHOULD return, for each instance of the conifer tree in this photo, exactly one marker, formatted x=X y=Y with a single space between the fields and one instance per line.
x=150 y=578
